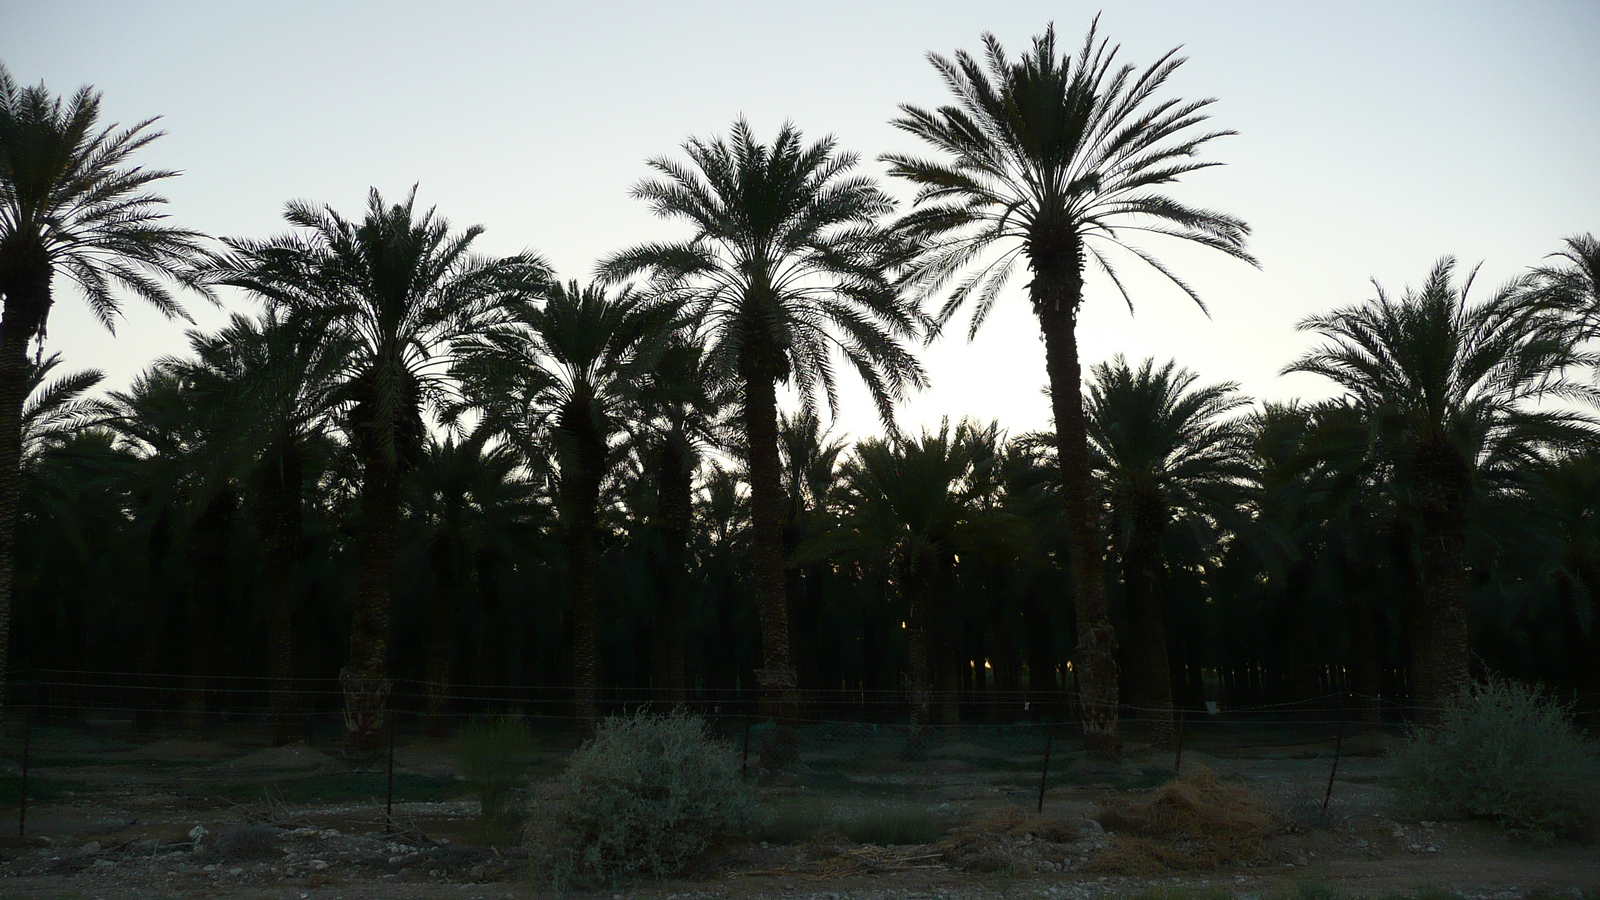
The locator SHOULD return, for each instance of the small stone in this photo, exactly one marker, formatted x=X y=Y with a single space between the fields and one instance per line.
x=236 y=871
x=210 y=868
x=319 y=864
x=198 y=832
x=104 y=864
x=86 y=849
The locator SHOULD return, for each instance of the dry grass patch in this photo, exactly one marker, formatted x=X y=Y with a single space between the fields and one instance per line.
x=987 y=843
x=1197 y=821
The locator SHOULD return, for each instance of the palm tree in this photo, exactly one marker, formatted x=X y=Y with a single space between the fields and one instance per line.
x=275 y=382
x=912 y=502
x=467 y=495
x=69 y=204
x=401 y=287
x=1164 y=449
x=786 y=266
x=1572 y=285
x=1057 y=161
x=675 y=417
x=1445 y=387
x=562 y=367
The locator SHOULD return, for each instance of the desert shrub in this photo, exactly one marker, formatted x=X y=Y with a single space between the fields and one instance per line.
x=495 y=756
x=1502 y=751
x=644 y=796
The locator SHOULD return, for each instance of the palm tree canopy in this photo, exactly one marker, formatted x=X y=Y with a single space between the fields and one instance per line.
x=399 y=285
x=1432 y=369
x=1060 y=158
x=56 y=409
x=1157 y=439
x=1571 y=284
x=70 y=203
x=786 y=265
x=563 y=367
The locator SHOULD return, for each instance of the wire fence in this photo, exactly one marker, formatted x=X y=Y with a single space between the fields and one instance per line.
x=209 y=735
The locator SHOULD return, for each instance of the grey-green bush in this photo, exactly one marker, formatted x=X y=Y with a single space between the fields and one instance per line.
x=495 y=755
x=1504 y=752
x=644 y=796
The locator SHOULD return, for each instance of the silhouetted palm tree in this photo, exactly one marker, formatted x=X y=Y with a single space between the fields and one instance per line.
x=1163 y=449
x=561 y=367
x=911 y=503
x=274 y=383
x=401 y=287
x=675 y=417
x=70 y=205
x=1572 y=285
x=1445 y=387
x=468 y=497
x=1056 y=161
x=785 y=268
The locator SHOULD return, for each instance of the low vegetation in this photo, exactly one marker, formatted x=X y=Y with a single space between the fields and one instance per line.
x=1505 y=752
x=645 y=796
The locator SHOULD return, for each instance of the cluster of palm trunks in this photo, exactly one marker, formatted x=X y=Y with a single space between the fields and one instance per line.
x=422 y=464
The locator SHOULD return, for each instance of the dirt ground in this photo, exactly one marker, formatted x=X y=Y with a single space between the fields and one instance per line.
x=116 y=816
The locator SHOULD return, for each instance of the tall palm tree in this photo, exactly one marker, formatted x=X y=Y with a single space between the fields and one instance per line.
x=1057 y=161
x=785 y=268
x=561 y=367
x=400 y=286
x=70 y=204
x=1164 y=448
x=1448 y=389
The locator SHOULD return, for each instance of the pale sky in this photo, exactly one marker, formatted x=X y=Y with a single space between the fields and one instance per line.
x=1373 y=139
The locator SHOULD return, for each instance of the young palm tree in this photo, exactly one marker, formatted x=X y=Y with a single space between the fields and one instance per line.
x=1572 y=285
x=1057 y=161
x=786 y=266
x=400 y=286
x=562 y=368
x=70 y=205
x=1445 y=387
x=1164 y=449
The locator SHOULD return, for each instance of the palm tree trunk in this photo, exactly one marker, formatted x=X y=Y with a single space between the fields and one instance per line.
x=366 y=678
x=1441 y=654
x=914 y=586
x=581 y=562
x=442 y=644
x=776 y=678
x=1150 y=678
x=1055 y=302
x=207 y=589
x=280 y=523
x=13 y=394
x=675 y=500
x=1366 y=677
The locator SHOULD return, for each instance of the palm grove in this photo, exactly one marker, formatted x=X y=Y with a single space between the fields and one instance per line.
x=412 y=464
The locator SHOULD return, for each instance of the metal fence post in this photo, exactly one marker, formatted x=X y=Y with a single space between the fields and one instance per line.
x=1044 y=777
x=1338 y=747
x=27 y=746
x=388 y=803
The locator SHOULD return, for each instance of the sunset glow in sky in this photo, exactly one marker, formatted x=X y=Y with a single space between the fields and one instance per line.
x=1373 y=139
